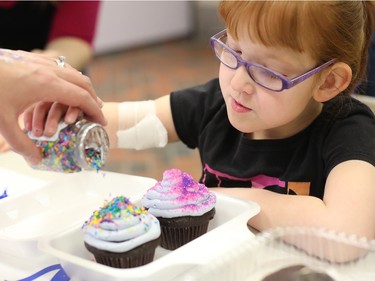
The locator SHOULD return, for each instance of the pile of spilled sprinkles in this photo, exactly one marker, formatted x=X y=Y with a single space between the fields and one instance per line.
x=118 y=208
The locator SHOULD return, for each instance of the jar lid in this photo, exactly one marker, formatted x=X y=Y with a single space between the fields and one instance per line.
x=93 y=145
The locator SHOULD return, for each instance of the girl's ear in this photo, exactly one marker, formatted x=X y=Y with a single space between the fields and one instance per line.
x=333 y=82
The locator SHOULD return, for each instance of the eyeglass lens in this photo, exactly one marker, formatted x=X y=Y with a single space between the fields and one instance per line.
x=260 y=75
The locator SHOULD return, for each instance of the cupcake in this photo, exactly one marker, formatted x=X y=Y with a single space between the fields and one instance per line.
x=121 y=234
x=183 y=207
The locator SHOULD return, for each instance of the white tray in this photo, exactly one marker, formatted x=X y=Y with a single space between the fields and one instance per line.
x=56 y=206
x=16 y=184
x=226 y=231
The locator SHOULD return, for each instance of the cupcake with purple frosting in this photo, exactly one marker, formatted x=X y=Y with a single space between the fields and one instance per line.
x=183 y=207
x=121 y=234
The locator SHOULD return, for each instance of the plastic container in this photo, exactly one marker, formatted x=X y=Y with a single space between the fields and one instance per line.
x=56 y=206
x=225 y=231
x=13 y=184
x=322 y=255
x=45 y=224
x=80 y=146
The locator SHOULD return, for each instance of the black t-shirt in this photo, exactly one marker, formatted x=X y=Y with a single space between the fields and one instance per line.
x=345 y=130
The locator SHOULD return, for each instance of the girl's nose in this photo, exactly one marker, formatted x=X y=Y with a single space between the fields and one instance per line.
x=242 y=82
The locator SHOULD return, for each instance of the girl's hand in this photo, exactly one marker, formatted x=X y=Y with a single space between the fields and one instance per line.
x=43 y=118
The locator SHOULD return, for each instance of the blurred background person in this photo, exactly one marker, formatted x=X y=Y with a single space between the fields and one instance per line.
x=53 y=27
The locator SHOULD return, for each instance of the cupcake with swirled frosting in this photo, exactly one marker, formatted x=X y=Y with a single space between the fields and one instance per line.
x=183 y=207
x=121 y=234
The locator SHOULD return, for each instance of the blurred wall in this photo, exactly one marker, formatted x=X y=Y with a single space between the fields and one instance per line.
x=124 y=24
x=207 y=21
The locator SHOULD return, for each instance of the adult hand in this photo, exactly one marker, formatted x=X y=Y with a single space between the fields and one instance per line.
x=4 y=146
x=28 y=78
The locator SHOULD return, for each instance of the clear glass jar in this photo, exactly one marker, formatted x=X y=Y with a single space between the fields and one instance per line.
x=80 y=146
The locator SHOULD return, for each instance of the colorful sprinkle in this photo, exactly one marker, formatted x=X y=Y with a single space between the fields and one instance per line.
x=94 y=158
x=63 y=154
x=114 y=209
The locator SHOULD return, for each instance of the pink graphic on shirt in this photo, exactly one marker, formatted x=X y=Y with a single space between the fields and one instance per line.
x=259 y=181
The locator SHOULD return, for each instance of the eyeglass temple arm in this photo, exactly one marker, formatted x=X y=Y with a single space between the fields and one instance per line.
x=303 y=77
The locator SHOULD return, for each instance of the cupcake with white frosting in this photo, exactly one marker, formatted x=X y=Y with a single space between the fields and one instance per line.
x=183 y=207
x=121 y=234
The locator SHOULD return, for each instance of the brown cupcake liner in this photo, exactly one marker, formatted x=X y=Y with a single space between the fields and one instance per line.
x=138 y=256
x=176 y=232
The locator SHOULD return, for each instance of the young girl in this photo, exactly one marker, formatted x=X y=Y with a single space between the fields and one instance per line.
x=279 y=125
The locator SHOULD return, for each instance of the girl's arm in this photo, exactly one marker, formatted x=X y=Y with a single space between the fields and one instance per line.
x=162 y=111
x=348 y=203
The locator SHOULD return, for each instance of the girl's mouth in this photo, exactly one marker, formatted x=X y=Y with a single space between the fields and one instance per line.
x=237 y=107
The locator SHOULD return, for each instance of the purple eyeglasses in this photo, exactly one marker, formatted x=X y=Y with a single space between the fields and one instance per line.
x=261 y=75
